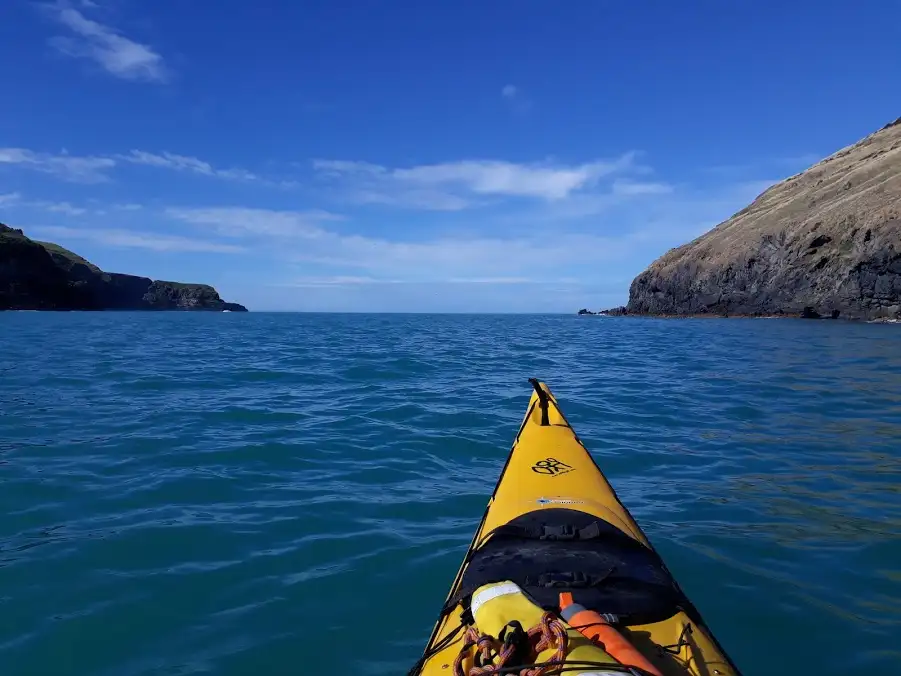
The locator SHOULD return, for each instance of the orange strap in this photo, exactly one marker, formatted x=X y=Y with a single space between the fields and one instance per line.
x=595 y=628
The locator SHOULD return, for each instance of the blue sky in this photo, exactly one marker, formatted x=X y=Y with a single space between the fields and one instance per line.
x=403 y=155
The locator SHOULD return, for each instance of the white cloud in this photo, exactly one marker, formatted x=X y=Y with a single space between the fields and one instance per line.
x=506 y=178
x=132 y=239
x=59 y=208
x=245 y=222
x=471 y=258
x=473 y=268
x=168 y=160
x=586 y=246
x=194 y=165
x=304 y=238
x=95 y=169
x=514 y=98
x=118 y=55
x=53 y=207
x=68 y=167
x=455 y=185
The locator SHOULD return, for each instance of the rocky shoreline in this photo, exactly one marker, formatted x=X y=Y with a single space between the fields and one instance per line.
x=823 y=244
x=623 y=311
x=45 y=276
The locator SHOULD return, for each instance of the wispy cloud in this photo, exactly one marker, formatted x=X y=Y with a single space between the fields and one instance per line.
x=309 y=249
x=96 y=169
x=492 y=177
x=64 y=207
x=246 y=222
x=187 y=163
x=584 y=245
x=118 y=55
x=59 y=208
x=131 y=239
x=304 y=237
x=515 y=98
x=452 y=186
x=15 y=199
x=68 y=167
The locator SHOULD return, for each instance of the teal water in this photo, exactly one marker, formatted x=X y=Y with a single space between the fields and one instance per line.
x=292 y=494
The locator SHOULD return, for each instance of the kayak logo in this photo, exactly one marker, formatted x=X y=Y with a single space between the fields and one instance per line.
x=551 y=467
x=559 y=501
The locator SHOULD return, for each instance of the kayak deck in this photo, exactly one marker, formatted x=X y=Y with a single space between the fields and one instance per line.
x=555 y=524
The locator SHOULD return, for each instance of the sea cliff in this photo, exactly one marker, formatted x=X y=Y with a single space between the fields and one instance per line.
x=45 y=276
x=823 y=243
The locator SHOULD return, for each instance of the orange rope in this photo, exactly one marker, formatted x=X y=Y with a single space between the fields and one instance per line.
x=546 y=634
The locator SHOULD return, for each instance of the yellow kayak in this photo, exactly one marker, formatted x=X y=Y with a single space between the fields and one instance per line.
x=555 y=533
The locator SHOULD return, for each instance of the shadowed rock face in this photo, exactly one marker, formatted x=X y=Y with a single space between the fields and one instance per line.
x=45 y=276
x=30 y=279
x=824 y=241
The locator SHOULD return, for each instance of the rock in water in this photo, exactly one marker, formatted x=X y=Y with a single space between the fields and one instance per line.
x=826 y=242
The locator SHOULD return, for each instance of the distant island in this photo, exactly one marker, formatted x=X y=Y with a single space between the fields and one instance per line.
x=825 y=243
x=45 y=276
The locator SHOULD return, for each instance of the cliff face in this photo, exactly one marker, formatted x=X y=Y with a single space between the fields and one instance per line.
x=825 y=241
x=45 y=276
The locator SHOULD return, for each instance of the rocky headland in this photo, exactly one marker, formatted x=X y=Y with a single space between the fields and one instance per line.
x=44 y=276
x=823 y=243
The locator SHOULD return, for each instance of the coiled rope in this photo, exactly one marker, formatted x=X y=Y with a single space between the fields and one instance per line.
x=492 y=654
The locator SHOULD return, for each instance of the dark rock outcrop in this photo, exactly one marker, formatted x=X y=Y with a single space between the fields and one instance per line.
x=45 y=276
x=823 y=243
x=585 y=311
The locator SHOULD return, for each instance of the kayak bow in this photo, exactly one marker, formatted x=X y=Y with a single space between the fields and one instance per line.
x=555 y=542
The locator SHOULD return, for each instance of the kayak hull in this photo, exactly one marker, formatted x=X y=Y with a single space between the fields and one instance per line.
x=548 y=468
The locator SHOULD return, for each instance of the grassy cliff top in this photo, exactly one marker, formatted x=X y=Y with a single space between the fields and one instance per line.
x=186 y=285
x=71 y=255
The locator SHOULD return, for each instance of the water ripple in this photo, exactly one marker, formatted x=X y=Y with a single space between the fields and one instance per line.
x=239 y=494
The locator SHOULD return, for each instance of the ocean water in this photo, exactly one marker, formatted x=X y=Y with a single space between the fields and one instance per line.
x=292 y=494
